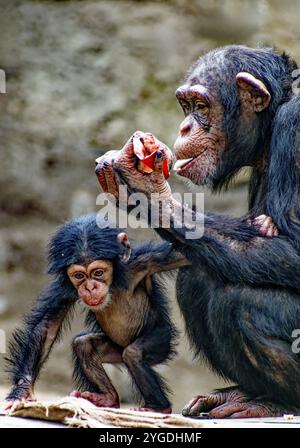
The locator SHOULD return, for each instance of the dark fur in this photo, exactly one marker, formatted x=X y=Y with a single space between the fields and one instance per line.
x=241 y=297
x=81 y=241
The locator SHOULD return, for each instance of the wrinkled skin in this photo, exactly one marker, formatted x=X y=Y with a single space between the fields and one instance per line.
x=230 y=403
x=119 y=167
x=201 y=137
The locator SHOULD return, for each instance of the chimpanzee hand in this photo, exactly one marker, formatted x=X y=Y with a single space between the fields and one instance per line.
x=121 y=168
x=16 y=395
x=265 y=225
x=105 y=173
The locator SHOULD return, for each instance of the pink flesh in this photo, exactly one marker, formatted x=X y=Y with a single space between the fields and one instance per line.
x=143 y=154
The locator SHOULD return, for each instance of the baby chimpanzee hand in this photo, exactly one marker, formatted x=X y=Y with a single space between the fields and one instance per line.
x=265 y=225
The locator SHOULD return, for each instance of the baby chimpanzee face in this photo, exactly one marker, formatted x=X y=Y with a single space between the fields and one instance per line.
x=92 y=282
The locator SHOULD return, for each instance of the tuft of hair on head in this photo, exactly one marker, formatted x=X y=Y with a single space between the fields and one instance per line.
x=82 y=240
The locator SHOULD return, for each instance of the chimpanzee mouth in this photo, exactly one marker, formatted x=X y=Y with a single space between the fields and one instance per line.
x=99 y=305
x=94 y=303
x=182 y=164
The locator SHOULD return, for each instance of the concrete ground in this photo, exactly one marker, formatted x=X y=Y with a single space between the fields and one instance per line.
x=278 y=422
x=16 y=422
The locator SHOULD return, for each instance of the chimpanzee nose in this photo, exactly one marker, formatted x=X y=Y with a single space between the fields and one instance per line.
x=185 y=127
x=90 y=286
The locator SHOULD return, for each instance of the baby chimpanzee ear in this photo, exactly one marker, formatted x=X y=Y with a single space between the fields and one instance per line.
x=253 y=90
x=123 y=239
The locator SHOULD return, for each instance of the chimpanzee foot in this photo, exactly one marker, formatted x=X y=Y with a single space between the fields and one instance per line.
x=163 y=411
x=248 y=410
x=101 y=400
x=265 y=225
x=205 y=403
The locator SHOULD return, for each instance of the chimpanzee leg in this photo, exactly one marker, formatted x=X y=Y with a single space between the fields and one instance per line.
x=91 y=350
x=247 y=341
x=149 y=349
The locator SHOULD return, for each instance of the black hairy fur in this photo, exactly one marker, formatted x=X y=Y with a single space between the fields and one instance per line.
x=82 y=241
x=241 y=296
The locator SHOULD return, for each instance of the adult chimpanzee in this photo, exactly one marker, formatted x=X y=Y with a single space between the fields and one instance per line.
x=241 y=296
x=127 y=317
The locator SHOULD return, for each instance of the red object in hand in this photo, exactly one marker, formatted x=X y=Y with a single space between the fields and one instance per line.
x=145 y=149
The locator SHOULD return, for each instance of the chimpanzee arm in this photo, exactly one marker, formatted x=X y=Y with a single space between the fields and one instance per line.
x=150 y=258
x=235 y=251
x=31 y=345
x=231 y=247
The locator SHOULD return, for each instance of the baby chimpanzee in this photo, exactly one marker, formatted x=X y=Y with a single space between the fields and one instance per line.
x=128 y=319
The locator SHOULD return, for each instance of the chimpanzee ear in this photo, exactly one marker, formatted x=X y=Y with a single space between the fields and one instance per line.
x=123 y=239
x=253 y=90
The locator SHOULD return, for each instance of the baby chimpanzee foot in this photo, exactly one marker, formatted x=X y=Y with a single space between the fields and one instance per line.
x=163 y=411
x=265 y=225
x=100 y=400
x=206 y=403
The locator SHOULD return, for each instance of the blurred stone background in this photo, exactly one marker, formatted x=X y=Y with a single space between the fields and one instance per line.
x=81 y=77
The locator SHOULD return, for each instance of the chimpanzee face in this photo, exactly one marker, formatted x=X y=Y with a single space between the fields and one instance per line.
x=92 y=282
x=201 y=138
x=201 y=145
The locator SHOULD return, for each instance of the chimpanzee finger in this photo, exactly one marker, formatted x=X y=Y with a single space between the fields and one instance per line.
x=200 y=403
x=102 y=180
x=105 y=174
x=127 y=156
x=159 y=160
x=111 y=182
x=227 y=409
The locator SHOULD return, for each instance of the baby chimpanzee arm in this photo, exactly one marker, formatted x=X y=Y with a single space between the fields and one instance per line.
x=31 y=345
x=151 y=258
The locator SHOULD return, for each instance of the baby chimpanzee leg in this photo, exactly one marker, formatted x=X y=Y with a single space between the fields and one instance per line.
x=146 y=351
x=91 y=350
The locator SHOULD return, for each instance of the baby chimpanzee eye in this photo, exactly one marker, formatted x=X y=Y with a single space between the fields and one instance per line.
x=79 y=275
x=98 y=273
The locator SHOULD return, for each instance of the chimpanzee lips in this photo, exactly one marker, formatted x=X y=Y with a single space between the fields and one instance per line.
x=182 y=166
x=181 y=163
x=94 y=301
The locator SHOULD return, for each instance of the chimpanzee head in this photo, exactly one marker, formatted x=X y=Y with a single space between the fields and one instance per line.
x=229 y=97
x=92 y=257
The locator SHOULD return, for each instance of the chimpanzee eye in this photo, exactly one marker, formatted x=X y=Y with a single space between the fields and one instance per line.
x=185 y=106
x=199 y=105
x=79 y=275
x=98 y=273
